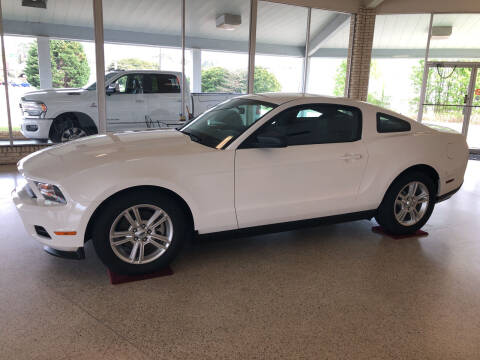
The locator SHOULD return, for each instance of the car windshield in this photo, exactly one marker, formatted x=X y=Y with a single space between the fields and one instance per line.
x=222 y=124
x=108 y=76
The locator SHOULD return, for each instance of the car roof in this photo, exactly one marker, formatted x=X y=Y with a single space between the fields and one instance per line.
x=282 y=98
x=146 y=71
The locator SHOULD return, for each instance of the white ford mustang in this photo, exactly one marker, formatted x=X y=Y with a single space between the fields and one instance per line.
x=251 y=161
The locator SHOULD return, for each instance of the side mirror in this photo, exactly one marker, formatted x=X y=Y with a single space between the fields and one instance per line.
x=111 y=89
x=267 y=141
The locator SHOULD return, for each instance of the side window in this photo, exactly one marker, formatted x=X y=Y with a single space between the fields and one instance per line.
x=316 y=124
x=388 y=124
x=120 y=84
x=134 y=84
x=162 y=84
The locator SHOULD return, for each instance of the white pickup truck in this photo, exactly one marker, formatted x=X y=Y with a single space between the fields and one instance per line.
x=136 y=100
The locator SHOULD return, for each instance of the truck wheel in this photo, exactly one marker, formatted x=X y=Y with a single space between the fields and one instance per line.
x=408 y=204
x=140 y=232
x=67 y=128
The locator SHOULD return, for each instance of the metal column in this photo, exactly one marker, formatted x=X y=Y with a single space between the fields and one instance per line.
x=306 y=59
x=100 y=64
x=5 y=77
x=425 y=73
x=251 y=45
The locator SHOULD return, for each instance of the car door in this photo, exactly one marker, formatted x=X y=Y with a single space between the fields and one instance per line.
x=318 y=173
x=126 y=106
x=163 y=98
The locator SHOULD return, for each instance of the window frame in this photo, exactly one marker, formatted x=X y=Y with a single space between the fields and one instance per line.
x=382 y=114
x=247 y=143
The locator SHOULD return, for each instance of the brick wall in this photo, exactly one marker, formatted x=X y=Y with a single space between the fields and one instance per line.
x=360 y=51
x=4 y=135
x=11 y=154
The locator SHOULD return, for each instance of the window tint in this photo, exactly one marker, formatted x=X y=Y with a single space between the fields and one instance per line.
x=129 y=84
x=387 y=124
x=315 y=124
x=160 y=84
x=222 y=124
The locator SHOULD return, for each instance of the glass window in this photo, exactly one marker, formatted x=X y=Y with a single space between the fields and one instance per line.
x=45 y=56
x=398 y=53
x=217 y=32
x=455 y=37
x=129 y=84
x=387 y=124
x=160 y=84
x=315 y=124
x=136 y=43
x=328 y=51
x=222 y=124
x=280 y=47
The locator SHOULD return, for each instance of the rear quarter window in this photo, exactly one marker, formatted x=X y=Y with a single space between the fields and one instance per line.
x=391 y=124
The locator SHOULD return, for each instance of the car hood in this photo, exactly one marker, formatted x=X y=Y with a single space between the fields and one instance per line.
x=47 y=93
x=65 y=160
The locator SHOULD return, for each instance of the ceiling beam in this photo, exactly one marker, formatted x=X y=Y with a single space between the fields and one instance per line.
x=372 y=4
x=161 y=40
x=80 y=33
x=330 y=29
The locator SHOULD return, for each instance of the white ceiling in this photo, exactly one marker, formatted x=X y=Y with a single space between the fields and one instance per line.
x=411 y=31
x=278 y=24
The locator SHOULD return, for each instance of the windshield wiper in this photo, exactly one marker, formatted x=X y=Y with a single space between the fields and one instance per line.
x=193 y=137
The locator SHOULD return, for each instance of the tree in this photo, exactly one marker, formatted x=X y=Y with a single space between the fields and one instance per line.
x=216 y=79
x=69 y=64
x=132 y=64
x=31 y=66
x=340 y=78
x=219 y=79
x=265 y=81
x=375 y=97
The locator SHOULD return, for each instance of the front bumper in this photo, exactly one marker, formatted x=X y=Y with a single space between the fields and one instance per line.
x=52 y=218
x=447 y=195
x=36 y=128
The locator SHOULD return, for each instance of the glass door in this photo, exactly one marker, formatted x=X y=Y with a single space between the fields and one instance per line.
x=447 y=95
x=473 y=131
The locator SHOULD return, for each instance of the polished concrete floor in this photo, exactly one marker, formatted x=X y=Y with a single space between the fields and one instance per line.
x=331 y=292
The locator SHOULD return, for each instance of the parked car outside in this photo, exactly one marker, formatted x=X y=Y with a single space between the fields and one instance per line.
x=136 y=100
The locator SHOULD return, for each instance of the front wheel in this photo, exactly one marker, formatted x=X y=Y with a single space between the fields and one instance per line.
x=408 y=204
x=140 y=232
x=67 y=128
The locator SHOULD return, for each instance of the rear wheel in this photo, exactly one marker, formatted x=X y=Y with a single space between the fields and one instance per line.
x=408 y=204
x=140 y=232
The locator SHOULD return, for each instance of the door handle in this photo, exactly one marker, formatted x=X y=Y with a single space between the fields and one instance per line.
x=139 y=101
x=347 y=157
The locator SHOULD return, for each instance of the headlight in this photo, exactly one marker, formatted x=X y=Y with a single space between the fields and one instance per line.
x=51 y=193
x=33 y=108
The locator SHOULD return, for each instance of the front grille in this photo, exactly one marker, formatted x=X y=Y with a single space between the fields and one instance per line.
x=41 y=231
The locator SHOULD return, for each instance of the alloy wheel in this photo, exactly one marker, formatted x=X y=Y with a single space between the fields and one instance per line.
x=141 y=234
x=72 y=134
x=411 y=203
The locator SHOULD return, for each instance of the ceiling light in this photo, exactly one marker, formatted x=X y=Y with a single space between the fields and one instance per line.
x=228 y=21
x=42 y=4
x=441 y=32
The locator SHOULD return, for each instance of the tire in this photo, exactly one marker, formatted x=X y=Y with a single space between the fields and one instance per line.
x=67 y=128
x=112 y=227
x=401 y=213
